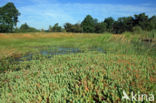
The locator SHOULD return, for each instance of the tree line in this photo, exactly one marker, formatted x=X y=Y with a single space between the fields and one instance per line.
x=9 y=18
x=122 y=24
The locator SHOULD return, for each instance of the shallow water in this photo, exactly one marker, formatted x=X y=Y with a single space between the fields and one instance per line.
x=5 y=64
x=47 y=53
x=60 y=50
x=56 y=51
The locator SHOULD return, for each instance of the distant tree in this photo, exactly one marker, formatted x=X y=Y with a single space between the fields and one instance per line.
x=77 y=28
x=109 y=24
x=8 y=17
x=88 y=24
x=124 y=24
x=127 y=23
x=116 y=27
x=56 y=28
x=68 y=27
x=50 y=28
x=73 y=28
x=152 y=23
x=26 y=28
x=100 y=27
x=141 y=20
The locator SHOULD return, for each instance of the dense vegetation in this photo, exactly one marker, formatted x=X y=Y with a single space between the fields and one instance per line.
x=90 y=76
x=25 y=28
x=79 y=78
x=123 y=24
x=9 y=18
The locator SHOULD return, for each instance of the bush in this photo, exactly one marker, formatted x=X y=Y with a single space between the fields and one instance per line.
x=127 y=35
x=137 y=30
x=73 y=28
x=25 y=28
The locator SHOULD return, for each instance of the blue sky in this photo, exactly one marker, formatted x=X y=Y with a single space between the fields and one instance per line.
x=42 y=13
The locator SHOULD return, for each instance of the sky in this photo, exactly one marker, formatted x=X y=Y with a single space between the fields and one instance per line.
x=42 y=13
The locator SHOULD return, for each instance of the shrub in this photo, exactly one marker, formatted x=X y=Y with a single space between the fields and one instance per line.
x=137 y=30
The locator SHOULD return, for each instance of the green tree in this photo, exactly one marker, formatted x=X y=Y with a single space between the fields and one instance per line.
x=88 y=24
x=109 y=24
x=8 y=17
x=152 y=23
x=100 y=27
x=56 y=28
x=116 y=27
x=73 y=28
x=68 y=27
x=141 y=20
x=125 y=24
x=77 y=28
x=25 y=28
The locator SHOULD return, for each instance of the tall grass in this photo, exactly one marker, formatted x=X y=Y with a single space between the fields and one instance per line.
x=22 y=43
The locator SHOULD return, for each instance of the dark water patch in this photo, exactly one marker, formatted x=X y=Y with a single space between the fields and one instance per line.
x=59 y=51
x=48 y=53
x=13 y=62
x=26 y=57
x=97 y=49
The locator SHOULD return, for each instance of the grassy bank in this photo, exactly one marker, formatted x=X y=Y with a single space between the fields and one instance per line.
x=20 y=43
